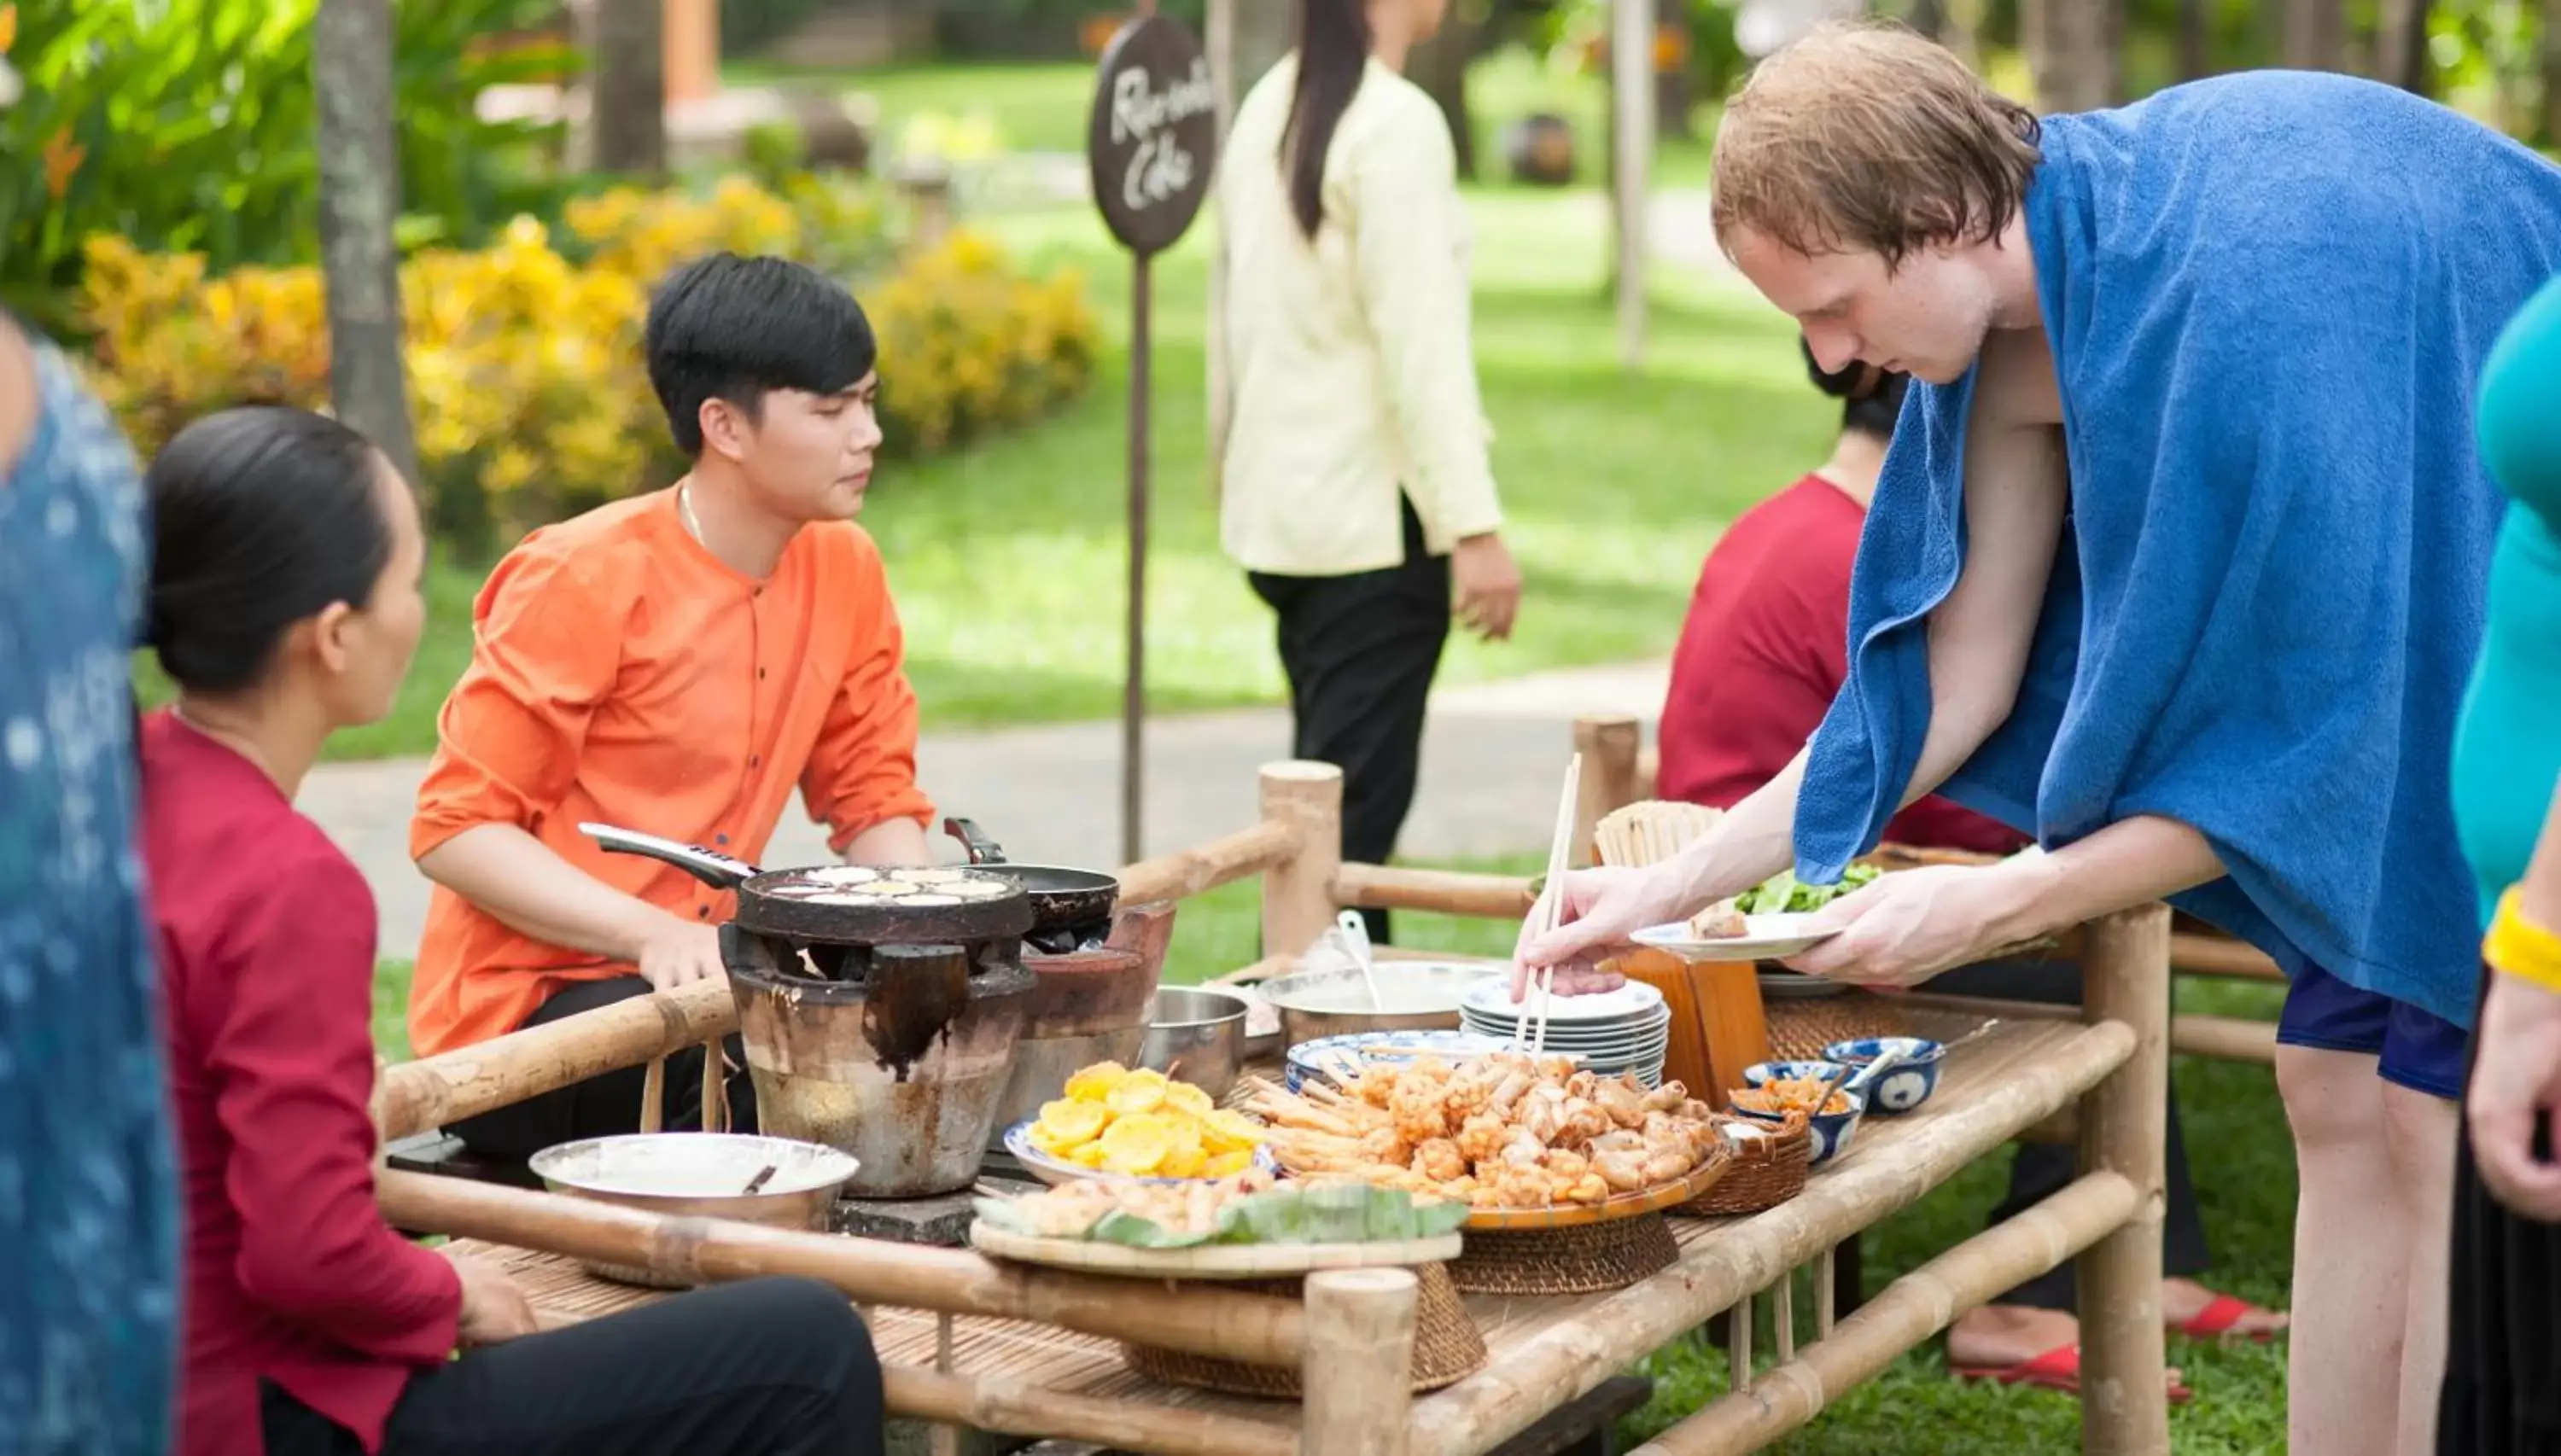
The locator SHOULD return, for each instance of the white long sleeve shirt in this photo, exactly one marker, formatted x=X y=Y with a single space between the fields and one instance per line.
x=1350 y=366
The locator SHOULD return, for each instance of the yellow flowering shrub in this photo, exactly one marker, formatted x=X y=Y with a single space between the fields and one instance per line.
x=527 y=380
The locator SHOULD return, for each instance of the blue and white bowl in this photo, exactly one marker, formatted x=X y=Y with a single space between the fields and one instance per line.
x=1362 y=1050
x=1832 y=1130
x=1903 y=1087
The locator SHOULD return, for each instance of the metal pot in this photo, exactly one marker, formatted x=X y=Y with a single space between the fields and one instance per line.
x=698 y=1174
x=1335 y=1002
x=1196 y=1035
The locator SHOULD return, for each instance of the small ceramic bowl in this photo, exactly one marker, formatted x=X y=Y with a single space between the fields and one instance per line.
x=1906 y=1085
x=1832 y=1130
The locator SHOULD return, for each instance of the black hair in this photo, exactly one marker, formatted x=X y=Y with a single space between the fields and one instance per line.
x=1333 y=53
x=726 y=327
x=260 y=516
x=1870 y=398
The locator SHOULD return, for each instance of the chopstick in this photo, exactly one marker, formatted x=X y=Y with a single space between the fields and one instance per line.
x=1550 y=909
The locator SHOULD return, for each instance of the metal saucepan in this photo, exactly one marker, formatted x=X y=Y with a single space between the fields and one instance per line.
x=1196 y=1035
x=1419 y=996
x=806 y=903
x=699 y=1174
x=1061 y=897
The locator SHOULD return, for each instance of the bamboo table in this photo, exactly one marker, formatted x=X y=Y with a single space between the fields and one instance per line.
x=1546 y=1351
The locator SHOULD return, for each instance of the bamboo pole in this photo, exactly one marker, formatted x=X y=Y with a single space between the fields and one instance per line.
x=2216 y=955
x=1905 y=1312
x=1441 y=891
x=994 y=1402
x=438 y=1090
x=2124 y=1124
x=1649 y=764
x=1565 y=1361
x=1298 y=893
x=1608 y=743
x=1202 y=867
x=1358 y=1375
x=1256 y=1329
x=2231 y=1039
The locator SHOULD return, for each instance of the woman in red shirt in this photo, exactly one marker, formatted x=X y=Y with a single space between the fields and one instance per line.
x=285 y=603
x=1761 y=654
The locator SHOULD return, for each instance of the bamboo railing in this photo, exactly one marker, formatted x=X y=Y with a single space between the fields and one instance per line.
x=1355 y=1327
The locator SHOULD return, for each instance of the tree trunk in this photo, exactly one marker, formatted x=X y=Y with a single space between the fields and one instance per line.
x=1440 y=66
x=2072 y=51
x=1265 y=30
x=2195 y=39
x=2401 y=46
x=628 y=85
x=1673 y=74
x=2316 y=34
x=351 y=80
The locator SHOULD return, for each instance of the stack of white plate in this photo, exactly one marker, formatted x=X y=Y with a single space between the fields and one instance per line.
x=1628 y=1029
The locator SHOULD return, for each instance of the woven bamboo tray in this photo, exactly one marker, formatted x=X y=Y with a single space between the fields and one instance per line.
x=1625 y=1205
x=1800 y=1029
x=1447 y=1347
x=1210 y=1260
x=1583 y=1258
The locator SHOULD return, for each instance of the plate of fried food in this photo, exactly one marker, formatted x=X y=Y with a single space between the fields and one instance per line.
x=1525 y=1142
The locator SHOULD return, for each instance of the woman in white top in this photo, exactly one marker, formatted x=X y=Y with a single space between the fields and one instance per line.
x=1354 y=487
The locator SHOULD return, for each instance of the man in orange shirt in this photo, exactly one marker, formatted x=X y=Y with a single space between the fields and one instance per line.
x=677 y=663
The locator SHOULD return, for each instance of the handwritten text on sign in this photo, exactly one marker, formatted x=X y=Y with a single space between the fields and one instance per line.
x=1153 y=138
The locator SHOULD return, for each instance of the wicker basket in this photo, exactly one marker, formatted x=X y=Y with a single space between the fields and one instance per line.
x=1765 y=1173
x=1582 y=1258
x=1446 y=1345
x=1799 y=1029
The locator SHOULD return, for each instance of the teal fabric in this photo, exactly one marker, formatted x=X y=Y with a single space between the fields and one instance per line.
x=2508 y=745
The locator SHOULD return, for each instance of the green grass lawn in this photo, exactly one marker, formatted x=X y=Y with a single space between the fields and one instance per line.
x=1008 y=557
x=2243 y=1164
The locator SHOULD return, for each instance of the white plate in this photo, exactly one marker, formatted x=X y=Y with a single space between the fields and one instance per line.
x=1492 y=999
x=1764 y=938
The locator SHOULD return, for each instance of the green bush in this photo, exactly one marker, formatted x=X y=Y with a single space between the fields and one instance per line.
x=189 y=126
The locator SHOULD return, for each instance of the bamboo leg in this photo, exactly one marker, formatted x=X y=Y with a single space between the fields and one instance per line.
x=1608 y=745
x=715 y=1086
x=1782 y=1314
x=1299 y=893
x=2124 y=977
x=1359 y=1370
x=653 y=1095
x=1823 y=1295
x=945 y=1439
x=1738 y=1349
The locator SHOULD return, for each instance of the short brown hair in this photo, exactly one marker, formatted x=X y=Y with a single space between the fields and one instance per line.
x=1865 y=136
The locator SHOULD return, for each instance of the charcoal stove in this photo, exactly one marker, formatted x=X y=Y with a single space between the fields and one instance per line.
x=881 y=1010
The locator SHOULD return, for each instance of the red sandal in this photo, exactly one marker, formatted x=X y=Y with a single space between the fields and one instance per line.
x=2058 y=1369
x=2216 y=1320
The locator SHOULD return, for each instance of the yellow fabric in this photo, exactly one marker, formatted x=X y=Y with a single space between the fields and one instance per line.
x=2516 y=946
x=1350 y=368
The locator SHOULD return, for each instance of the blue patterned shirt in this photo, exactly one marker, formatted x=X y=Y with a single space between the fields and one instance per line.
x=88 y=1209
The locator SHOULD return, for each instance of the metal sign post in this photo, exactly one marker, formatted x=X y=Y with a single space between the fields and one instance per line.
x=1151 y=143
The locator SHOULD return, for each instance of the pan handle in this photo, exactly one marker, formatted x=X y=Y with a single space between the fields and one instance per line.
x=982 y=850
x=718 y=871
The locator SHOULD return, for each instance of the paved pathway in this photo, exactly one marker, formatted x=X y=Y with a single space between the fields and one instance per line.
x=1052 y=794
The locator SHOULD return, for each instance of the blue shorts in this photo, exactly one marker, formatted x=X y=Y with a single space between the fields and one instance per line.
x=2415 y=1049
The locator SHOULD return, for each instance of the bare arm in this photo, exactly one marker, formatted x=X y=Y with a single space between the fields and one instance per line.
x=2015 y=491
x=534 y=892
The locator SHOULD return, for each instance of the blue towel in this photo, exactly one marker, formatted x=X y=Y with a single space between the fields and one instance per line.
x=2268 y=295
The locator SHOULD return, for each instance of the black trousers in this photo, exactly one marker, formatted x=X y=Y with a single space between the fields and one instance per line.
x=762 y=1367
x=2502 y=1389
x=2041 y=1169
x=1360 y=651
x=609 y=1104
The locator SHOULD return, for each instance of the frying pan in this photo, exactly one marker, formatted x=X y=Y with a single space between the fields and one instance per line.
x=808 y=903
x=1061 y=897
